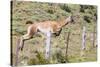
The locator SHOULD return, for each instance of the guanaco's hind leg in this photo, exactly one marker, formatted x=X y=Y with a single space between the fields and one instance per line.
x=22 y=39
x=27 y=36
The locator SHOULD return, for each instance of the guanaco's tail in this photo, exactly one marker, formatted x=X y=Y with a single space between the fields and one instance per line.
x=29 y=22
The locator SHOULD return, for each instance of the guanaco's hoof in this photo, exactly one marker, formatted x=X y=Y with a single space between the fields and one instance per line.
x=20 y=48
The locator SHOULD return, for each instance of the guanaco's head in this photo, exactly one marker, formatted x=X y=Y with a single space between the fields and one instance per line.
x=70 y=19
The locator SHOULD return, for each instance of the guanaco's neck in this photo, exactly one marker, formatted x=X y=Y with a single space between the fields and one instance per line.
x=63 y=23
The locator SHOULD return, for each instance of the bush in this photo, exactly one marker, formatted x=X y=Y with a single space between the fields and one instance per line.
x=51 y=11
x=41 y=58
x=87 y=19
x=65 y=7
x=33 y=61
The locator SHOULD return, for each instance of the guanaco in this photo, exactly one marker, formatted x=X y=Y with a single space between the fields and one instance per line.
x=51 y=27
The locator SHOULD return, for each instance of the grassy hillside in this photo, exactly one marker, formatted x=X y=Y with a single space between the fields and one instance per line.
x=34 y=48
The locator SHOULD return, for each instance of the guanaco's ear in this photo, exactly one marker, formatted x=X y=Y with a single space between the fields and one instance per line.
x=29 y=22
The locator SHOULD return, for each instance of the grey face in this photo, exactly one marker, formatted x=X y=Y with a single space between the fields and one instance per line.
x=72 y=19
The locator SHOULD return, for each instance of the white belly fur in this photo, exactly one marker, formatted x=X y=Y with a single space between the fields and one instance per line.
x=44 y=30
